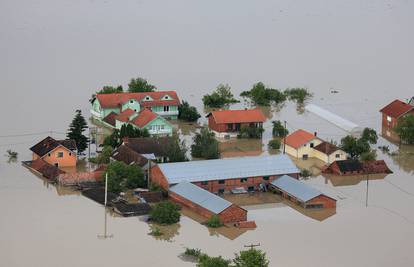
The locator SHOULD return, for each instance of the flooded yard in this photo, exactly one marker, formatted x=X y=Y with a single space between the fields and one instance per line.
x=56 y=54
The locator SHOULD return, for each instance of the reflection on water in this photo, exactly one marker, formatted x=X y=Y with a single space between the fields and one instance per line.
x=241 y=148
x=404 y=159
x=105 y=234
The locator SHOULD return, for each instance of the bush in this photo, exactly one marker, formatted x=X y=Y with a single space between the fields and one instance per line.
x=368 y=156
x=207 y=261
x=251 y=258
x=220 y=97
x=176 y=149
x=205 y=145
x=278 y=129
x=274 y=144
x=155 y=232
x=165 y=213
x=305 y=173
x=192 y=252
x=122 y=176
x=103 y=157
x=187 y=112
x=298 y=94
x=250 y=132
x=214 y=222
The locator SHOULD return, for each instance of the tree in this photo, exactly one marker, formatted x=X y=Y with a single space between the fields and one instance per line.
x=187 y=112
x=405 y=129
x=122 y=176
x=176 y=149
x=165 y=213
x=140 y=85
x=368 y=156
x=370 y=136
x=355 y=147
x=214 y=221
x=222 y=96
x=104 y=156
x=279 y=130
x=127 y=130
x=110 y=89
x=274 y=144
x=205 y=145
x=207 y=261
x=298 y=94
x=263 y=96
x=251 y=258
x=75 y=132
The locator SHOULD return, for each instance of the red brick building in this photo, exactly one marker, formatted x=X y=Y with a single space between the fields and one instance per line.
x=223 y=175
x=229 y=122
x=392 y=113
x=302 y=194
x=206 y=203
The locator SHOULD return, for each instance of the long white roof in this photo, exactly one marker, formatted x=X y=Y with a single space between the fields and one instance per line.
x=219 y=169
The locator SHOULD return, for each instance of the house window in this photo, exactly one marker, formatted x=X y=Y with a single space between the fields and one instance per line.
x=250 y=189
x=147 y=98
x=56 y=164
x=60 y=154
x=243 y=180
x=222 y=181
x=204 y=183
x=221 y=191
x=166 y=108
x=131 y=101
x=389 y=119
x=337 y=156
x=70 y=154
x=48 y=154
x=311 y=145
x=266 y=178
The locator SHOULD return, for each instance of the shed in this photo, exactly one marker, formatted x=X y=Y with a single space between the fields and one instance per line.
x=205 y=203
x=301 y=193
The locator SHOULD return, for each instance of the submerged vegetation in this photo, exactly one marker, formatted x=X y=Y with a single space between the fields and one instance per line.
x=359 y=148
x=299 y=95
x=122 y=177
x=274 y=144
x=214 y=222
x=221 y=97
x=305 y=173
x=279 y=130
x=187 y=112
x=205 y=145
x=251 y=132
x=165 y=213
x=405 y=129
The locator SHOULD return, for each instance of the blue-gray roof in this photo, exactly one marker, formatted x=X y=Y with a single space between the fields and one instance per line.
x=296 y=188
x=218 y=169
x=201 y=197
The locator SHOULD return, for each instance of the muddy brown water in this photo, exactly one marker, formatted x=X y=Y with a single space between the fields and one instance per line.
x=55 y=54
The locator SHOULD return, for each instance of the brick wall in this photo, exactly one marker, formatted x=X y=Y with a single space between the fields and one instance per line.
x=327 y=202
x=158 y=177
x=233 y=214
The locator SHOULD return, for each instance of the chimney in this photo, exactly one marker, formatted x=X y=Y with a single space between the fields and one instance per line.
x=315 y=134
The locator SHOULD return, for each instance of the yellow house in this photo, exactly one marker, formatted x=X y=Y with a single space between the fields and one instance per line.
x=303 y=145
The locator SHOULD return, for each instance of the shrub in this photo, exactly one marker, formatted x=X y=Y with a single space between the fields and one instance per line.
x=220 y=97
x=103 y=157
x=368 y=156
x=207 y=261
x=187 y=112
x=155 y=232
x=140 y=85
x=214 y=222
x=251 y=258
x=274 y=144
x=192 y=252
x=165 y=213
x=122 y=176
x=278 y=129
x=305 y=173
x=405 y=129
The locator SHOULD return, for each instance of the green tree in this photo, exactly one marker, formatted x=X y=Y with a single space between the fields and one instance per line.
x=274 y=144
x=251 y=258
x=75 y=132
x=187 y=112
x=263 y=96
x=298 y=94
x=104 y=156
x=122 y=176
x=354 y=147
x=127 y=130
x=214 y=222
x=279 y=130
x=405 y=129
x=110 y=90
x=207 y=261
x=176 y=149
x=165 y=213
x=205 y=145
x=370 y=135
x=140 y=85
x=368 y=156
x=222 y=96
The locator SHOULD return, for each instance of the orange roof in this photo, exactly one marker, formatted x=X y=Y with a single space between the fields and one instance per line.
x=298 y=138
x=144 y=117
x=396 y=109
x=238 y=116
x=124 y=115
x=117 y=99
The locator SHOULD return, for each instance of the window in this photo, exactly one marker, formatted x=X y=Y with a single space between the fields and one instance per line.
x=250 y=189
x=162 y=127
x=131 y=101
x=70 y=154
x=204 y=183
x=311 y=145
x=243 y=180
x=56 y=164
x=48 y=154
x=166 y=108
x=337 y=156
x=222 y=181
x=389 y=119
x=266 y=178
x=60 y=154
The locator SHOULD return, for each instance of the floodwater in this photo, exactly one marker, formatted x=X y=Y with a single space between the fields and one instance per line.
x=55 y=54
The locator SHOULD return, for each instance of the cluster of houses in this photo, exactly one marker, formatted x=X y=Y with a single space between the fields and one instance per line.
x=199 y=185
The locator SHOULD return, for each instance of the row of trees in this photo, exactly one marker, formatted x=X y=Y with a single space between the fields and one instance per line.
x=259 y=94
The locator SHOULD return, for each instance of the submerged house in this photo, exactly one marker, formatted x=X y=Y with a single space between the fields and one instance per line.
x=228 y=123
x=163 y=103
x=224 y=175
x=60 y=153
x=303 y=145
x=144 y=119
x=355 y=167
x=146 y=147
x=301 y=193
x=391 y=113
x=205 y=203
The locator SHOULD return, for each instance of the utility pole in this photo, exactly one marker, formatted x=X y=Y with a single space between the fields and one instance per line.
x=89 y=140
x=105 y=234
x=106 y=188
x=251 y=246
x=284 y=140
x=366 y=200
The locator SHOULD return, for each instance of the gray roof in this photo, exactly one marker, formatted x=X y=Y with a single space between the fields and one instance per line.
x=296 y=188
x=201 y=197
x=217 y=169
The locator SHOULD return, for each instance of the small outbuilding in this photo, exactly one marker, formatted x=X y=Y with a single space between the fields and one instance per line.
x=205 y=203
x=355 y=167
x=228 y=123
x=301 y=193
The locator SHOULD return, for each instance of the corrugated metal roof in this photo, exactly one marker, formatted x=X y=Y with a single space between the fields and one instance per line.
x=217 y=169
x=296 y=188
x=201 y=197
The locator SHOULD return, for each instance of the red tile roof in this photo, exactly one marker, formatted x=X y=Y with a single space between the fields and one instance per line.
x=326 y=148
x=144 y=117
x=299 y=138
x=124 y=115
x=115 y=100
x=238 y=116
x=396 y=109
